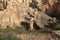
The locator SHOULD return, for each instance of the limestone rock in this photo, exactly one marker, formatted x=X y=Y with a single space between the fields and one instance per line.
x=17 y=10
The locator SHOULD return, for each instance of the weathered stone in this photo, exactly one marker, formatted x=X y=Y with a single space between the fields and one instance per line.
x=18 y=11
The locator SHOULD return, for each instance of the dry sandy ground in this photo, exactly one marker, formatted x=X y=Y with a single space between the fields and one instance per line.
x=40 y=36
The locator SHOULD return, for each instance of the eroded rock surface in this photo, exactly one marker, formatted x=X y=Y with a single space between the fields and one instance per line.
x=23 y=11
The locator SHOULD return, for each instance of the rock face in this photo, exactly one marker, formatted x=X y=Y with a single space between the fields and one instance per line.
x=18 y=11
x=54 y=10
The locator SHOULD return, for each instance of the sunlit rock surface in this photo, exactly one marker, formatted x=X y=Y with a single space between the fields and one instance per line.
x=16 y=12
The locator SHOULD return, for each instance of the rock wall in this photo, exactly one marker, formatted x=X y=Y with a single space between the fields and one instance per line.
x=16 y=12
